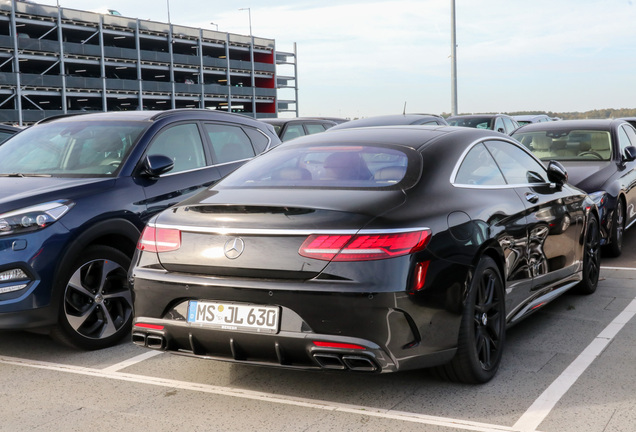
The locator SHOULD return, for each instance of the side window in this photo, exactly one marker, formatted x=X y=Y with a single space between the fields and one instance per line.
x=626 y=138
x=499 y=125
x=517 y=166
x=510 y=126
x=293 y=131
x=181 y=143
x=313 y=128
x=229 y=143
x=5 y=136
x=479 y=168
x=259 y=140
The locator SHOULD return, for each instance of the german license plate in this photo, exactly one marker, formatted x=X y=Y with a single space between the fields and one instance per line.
x=234 y=316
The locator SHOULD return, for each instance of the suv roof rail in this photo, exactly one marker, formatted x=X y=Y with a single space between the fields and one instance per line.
x=58 y=116
x=169 y=112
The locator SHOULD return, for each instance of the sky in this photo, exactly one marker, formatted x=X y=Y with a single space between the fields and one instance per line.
x=364 y=58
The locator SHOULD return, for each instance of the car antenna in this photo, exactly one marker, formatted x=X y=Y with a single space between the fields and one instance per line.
x=404 y=110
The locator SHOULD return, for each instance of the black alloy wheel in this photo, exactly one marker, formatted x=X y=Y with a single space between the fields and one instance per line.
x=615 y=246
x=96 y=309
x=591 y=257
x=483 y=328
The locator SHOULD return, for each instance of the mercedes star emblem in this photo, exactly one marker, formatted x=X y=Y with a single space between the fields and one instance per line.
x=234 y=248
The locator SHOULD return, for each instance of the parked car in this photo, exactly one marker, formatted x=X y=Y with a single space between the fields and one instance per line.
x=523 y=120
x=7 y=132
x=290 y=128
x=601 y=159
x=395 y=119
x=630 y=120
x=336 y=120
x=498 y=122
x=368 y=250
x=76 y=193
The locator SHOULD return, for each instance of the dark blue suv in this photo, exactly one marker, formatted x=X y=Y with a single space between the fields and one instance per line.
x=75 y=193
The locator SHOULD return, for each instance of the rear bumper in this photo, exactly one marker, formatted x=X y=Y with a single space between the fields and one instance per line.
x=392 y=330
x=285 y=349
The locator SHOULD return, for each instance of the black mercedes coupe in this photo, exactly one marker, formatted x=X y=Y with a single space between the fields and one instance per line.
x=366 y=250
x=600 y=157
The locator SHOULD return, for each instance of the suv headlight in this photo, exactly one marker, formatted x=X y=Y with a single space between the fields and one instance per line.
x=33 y=218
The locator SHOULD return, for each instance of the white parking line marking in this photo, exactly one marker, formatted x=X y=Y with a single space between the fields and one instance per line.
x=618 y=268
x=137 y=359
x=263 y=397
x=542 y=407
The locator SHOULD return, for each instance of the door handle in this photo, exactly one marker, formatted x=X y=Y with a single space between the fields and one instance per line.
x=532 y=197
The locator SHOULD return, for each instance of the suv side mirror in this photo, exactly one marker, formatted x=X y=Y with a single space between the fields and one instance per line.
x=629 y=154
x=155 y=165
x=557 y=173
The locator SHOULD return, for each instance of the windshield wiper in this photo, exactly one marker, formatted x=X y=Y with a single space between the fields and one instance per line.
x=24 y=175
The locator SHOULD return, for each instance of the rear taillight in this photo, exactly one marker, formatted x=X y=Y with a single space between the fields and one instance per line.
x=159 y=239
x=363 y=247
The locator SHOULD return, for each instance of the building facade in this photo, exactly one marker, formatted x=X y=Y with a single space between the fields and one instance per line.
x=55 y=60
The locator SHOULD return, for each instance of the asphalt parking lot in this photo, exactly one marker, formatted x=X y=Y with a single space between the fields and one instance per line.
x=569 y=367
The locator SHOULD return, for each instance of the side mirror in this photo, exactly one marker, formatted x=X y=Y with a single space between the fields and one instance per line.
x=557 y=173
x=629 y=154
x=155 y=165
x=502 y=130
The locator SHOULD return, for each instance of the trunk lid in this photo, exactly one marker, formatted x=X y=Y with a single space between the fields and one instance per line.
x=258 y=232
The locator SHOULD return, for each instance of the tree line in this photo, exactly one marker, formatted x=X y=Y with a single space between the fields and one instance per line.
x=592 y=114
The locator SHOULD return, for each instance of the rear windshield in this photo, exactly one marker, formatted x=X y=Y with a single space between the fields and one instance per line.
x=328 y=167
x=588 y=145
x=474 y=122
x=70 y=149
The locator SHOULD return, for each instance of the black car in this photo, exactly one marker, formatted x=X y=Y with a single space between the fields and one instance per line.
x=630 y=120
x=498 y=122
x=7 y=132
x=76 y=193
x=367 y=250
x=600 y=157
x=393 y=120
x=290 y=128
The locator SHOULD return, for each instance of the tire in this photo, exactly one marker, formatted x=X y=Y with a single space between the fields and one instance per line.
x=482 y=332
x=591 y=257
x=615 y=246
x=96 y=307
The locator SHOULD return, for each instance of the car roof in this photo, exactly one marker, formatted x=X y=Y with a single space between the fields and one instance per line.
x=477 y=116
x=592 y=124
x=10 y=128
x=413 y=136
x=530 y=117
x=282 y=121
x=186 y=113
x=387 y=120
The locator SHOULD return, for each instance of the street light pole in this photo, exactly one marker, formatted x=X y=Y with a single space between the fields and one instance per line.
x=249 y=12
x=253 y=81
x=168 y=6
x=216 y=25
x=453 y=62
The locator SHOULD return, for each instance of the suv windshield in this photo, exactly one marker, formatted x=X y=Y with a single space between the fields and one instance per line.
x=70 y=149
x=327 y=167
x=589 y=145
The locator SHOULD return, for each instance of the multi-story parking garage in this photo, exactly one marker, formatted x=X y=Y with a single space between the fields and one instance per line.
x=55 y=61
